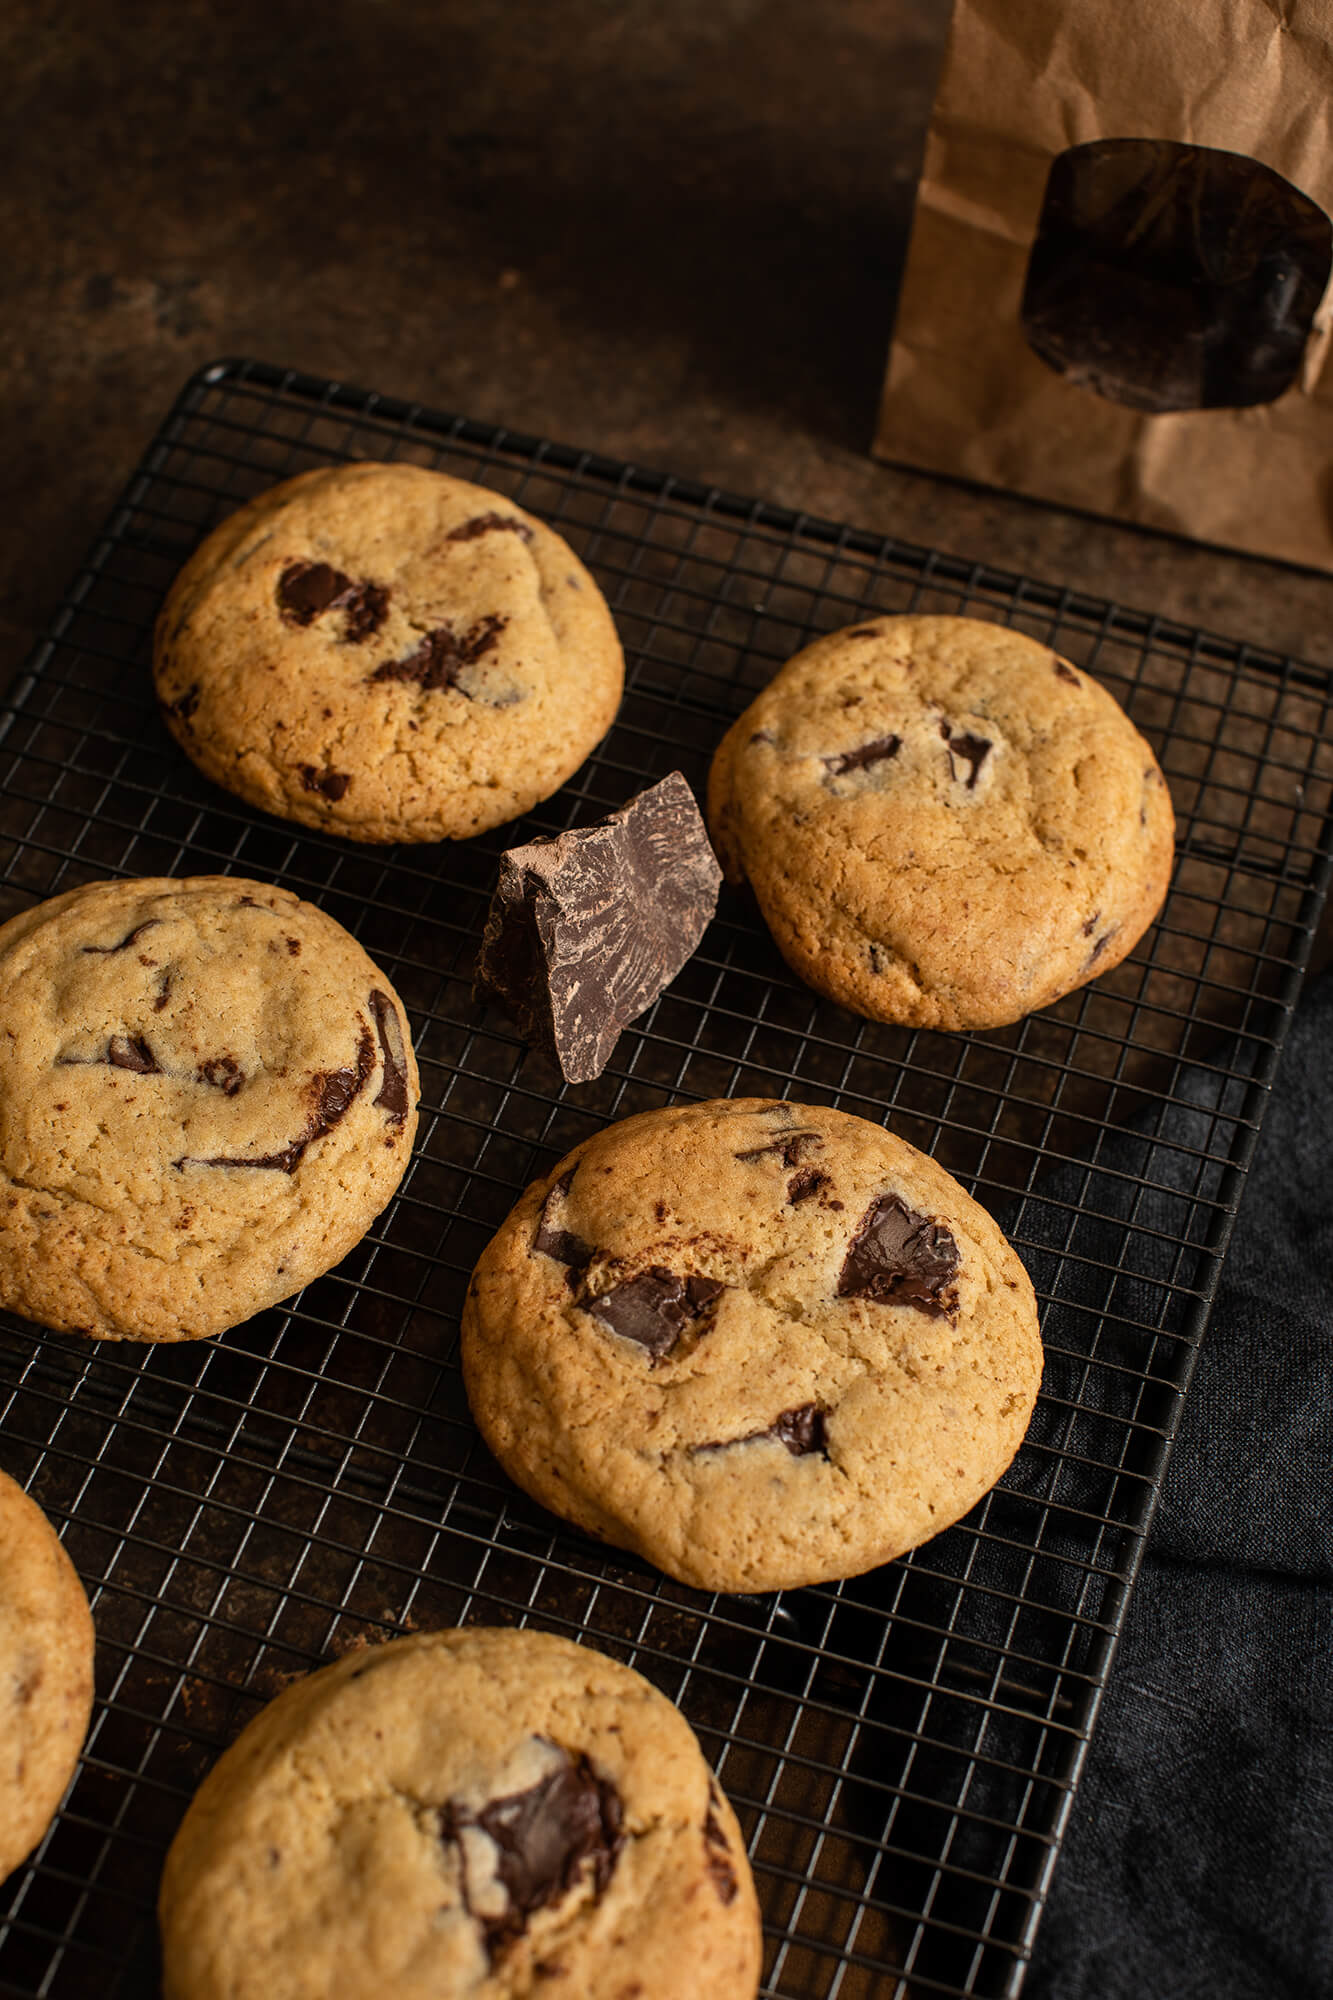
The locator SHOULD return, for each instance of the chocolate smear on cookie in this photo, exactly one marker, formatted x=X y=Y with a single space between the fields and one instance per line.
x=107 y=950
x=717 y=1854
x=861 y=759
x=542 y=1839
x=562 y=1244
x=803 y=1430
x=489 y=524
x=331 y=1093
x=443 y=655
x=970 y=750
x=392 y=1095
x=655 y=1308
x=307 y=590
x=900 y=1258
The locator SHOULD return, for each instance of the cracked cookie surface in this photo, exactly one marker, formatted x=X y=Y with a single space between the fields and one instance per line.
x=763 y=1344
x=46 y=1672
x=388 y=653
x=944 y=823
x=470 y=1815
x=209 y=1095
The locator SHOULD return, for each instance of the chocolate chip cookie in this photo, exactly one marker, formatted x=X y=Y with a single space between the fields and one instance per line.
x=462 y=1815
x=210 y=1093
x=763 y=1344
x=388 y=653
x=46 y=1673
x=943 y=822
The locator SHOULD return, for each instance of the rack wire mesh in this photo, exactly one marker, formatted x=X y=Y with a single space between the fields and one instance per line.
x=901 y=1748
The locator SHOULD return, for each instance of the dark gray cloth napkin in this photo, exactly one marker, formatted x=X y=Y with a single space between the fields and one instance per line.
x=1199 y=1859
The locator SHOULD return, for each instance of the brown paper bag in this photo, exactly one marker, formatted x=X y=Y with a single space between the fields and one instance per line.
x=1117 y=291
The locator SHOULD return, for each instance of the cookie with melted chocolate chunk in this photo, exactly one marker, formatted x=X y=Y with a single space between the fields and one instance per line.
x=944 y=824
x=46 y=1673
x=210 y=1094
x=762 y=1344
x=388 y=653
x=462 y=1815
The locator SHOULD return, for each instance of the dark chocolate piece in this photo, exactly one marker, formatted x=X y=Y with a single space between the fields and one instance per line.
x=655 y=1308
x=1091 y=923
x=488 y=524
x=185 y=704
x=442 y=656
x=132 y=1052
x=543 y=1840
x=717 y=1855
x=900 y=1258
x=1065 y=672
x=392 y=1094
x=331 y=1092
x=333 y=784
x=1099 y=947
x=877 y=752
x=307 y=590
x=973 y=751
x=562 y=1244
x=1168 y=276
x=585 y=930
x=108 y=950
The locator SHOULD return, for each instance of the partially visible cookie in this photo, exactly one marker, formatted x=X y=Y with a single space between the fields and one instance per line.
x=209 y=1095
x=763 y=1344
x=944 y=823
x=462 y=1815
x=46 y=1673
x=389 y=653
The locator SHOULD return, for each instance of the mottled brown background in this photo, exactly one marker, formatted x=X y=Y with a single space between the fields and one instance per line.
x=670 y=230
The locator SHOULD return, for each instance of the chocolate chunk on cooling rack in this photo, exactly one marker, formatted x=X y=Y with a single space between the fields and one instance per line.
x=585 y=930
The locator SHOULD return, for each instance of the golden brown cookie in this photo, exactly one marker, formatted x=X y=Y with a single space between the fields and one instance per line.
x=388 y=653
x=462 y=1815
x=763 y=1344
x=46 y=1673
x=943 y=822
x=209 y=1095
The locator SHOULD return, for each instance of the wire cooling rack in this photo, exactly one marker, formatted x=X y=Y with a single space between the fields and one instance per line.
x=901 y=1749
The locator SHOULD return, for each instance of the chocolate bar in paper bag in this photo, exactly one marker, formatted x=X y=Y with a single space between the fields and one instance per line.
x=1117 y=291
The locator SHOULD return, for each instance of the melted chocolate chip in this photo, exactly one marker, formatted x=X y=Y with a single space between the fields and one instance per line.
x=900 y=1258
x=543 y=1838
x=489 y=524
x=1091 y=924
x=106 y=950
x=442 y=656
x=803 y=1430
x=333 y=784
x=788 y=1147
x=877 y=752
x=562 y=1244
x=163 y=993
x=331 y=1093
x=185 y=704
x=655 y=1308
x=1099 y=947
x=973 y=750
x=392 y=1096
x=801 y=1186
x=1066 y=673
x=224 y=1073
x=717 y=1854
x=307 y=590
x=132 y=1052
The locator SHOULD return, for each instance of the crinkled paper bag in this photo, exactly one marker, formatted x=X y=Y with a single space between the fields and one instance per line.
x=1117 y=292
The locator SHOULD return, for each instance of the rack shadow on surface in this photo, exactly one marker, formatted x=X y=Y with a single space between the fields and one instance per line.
x=901 y=1748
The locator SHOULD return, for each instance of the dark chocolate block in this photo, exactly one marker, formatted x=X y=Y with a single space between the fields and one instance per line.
x=585 y=930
